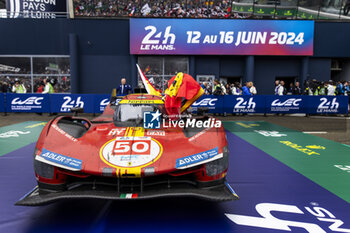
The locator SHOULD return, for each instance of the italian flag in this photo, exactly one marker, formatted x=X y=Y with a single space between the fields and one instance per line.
x=128 y=195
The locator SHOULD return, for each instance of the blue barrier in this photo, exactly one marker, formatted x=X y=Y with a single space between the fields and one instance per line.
x=2 y=102
x=95 y=103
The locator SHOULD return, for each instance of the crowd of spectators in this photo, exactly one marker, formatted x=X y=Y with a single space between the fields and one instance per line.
x=221 y=88
x=61 y=84
x=313 y=87
x=152 y=8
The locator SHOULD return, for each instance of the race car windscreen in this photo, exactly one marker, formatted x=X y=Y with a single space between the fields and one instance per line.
x=133 y=113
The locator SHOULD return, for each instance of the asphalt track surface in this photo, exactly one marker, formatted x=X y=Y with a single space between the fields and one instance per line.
x=262 y=181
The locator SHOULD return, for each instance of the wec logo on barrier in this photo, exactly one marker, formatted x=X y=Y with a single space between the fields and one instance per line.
x=288 y=103
x=26 y=105
x=71 y=103
x=328 y=106
x=267 y=220
x=205 y=102
x=29 y=101
x=244 y=105
x=103 y=104
x=157 y=40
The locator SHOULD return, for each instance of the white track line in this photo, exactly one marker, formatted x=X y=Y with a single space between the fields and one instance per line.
x=315 y=132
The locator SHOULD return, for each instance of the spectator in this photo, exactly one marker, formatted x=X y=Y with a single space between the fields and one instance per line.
x=277 y=83
x=236 y=89
x=40 y=88
x=340 y=88
x=296 y=89
x=217 y=88
x=228 y=89
x=330 y=88
x=245 y=89
x=18 y=87
x=124 y=89
x=280 y=89
x=252 y=88
x=48 y=89
x=322 y=89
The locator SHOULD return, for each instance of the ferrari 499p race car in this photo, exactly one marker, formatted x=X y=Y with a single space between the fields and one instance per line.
x=131 y=151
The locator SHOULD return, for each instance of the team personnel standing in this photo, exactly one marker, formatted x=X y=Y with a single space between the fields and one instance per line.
x=330 y=88
x=252 y=88
x=18 y=87
x=279 y=89
x=245 y=89
x=296 y=89
x=48 y=89
x=123 y=88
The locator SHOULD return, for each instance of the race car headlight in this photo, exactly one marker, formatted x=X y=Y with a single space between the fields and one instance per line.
x=42 y=169
x=218 y=166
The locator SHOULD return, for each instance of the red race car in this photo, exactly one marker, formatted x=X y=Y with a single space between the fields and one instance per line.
x=133 y=150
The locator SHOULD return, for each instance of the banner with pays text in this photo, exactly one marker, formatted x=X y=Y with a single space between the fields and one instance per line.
x=221 y=37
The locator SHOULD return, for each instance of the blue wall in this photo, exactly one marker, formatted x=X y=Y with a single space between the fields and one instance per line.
x=103 y=52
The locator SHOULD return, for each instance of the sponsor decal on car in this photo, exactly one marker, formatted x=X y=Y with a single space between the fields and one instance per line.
x=64 y=133
x=126 y=101
x=306 y=150
x=128 y=195
x=59 y=160
x=197 y=159
x=13 y=133
x=151 y=132
x=116 y=131
x=131 y=152
x=268 y=220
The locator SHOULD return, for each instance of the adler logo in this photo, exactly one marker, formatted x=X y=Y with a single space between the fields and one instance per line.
x=158 y=40
x=29 y=101
x=288 y=103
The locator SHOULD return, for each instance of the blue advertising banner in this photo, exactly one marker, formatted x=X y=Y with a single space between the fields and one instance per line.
x=286 y=104
x=64 y=102
x=100 y=102
x=328 y=104
x=221 y=37
x=214 y=103
x=27 y=102
x=244 y=104
x=2 y=102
